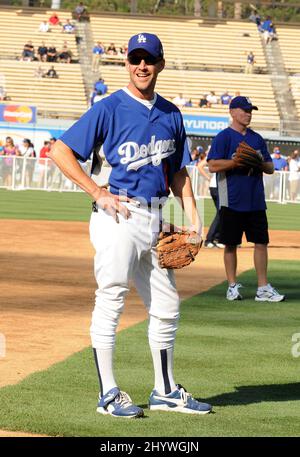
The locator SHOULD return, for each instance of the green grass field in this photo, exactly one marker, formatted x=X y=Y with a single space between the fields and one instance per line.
x=67 y=206
x=235 y=355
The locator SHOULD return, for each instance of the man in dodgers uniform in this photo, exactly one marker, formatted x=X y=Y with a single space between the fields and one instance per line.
x=143 y=139
x=242 y=200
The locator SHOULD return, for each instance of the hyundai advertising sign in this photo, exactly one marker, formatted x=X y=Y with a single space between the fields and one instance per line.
x=204 y=125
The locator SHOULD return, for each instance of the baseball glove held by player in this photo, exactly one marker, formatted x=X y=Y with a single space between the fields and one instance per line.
x=247 y=157
x=177 y=249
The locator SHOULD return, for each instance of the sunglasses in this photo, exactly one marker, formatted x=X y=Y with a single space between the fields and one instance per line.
x=149 y=60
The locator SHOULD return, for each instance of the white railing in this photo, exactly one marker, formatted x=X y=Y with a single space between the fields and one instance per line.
x=19 y=173
x=279 y=187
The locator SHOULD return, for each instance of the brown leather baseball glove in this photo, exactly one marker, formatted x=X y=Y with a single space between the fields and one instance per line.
x=248 y=158
x=177 y=249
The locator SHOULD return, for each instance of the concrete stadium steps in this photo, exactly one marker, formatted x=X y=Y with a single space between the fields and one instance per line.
x=192 y=84
x=289 y=42
x=187 y=42
x=18 y=26
x=295 y=88
x=63 y=97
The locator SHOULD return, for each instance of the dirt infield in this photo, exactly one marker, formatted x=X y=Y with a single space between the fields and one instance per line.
x=47 y=291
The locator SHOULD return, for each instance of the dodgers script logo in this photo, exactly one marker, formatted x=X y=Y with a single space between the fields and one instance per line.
x=139 y=155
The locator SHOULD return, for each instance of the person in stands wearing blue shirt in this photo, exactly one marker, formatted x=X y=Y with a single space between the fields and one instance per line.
x=242 y=200
x=280 y=164
x=98 y=51
x=225 y=98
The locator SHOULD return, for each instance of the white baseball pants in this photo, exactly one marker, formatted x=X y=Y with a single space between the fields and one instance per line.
x=124 y=251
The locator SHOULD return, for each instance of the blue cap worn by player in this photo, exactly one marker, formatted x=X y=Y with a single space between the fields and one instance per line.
x=242 y=102
x=147 y=41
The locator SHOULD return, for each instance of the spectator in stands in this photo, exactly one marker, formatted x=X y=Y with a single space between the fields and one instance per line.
x=294 y=175
x=80 y=13
x=280 y=164
x=99 y=92
x=3 y=94
x=9 y=150
x=225 y=98
x=250 y=61
x=54 y=20
x=179 y=101
x=111 y=50
x=272 y=33
x=43 y=156
x=252 y=16
x=65 y=55
x=51 y=73
x=44 y=27
x=195 y=154
x=52 y=142
x=212 y=98
x=68 y=27
x=28 y=52
x=297 y=156
x=212 y=236
x=100 y=86
x=39 y=72
x=98 y=51
x=55 y=175
x=51 y=54
x=203 y=102
x=27 y=151
x=204 y=180
x=123 y=50
x=267 y=29
x=42 y=52
x=255 y=17
x=189 y=103
x=96 y=97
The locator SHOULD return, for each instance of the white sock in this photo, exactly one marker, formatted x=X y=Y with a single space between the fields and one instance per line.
x=104 y=365
x=163 y=370
x=262 y=288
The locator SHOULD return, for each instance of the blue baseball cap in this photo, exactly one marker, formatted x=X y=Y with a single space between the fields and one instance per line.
x=242 y=102
x=147 y=41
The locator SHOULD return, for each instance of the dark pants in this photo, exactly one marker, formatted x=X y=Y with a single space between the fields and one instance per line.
x=214 y=229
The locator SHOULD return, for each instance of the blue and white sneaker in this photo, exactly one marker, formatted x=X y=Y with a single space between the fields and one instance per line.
x=233 y=292
x=118 y=404
x=269 y=293
x=179 y=401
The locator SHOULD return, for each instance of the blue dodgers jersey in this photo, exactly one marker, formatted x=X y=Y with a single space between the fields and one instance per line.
x=145 y=148
x=237 y=190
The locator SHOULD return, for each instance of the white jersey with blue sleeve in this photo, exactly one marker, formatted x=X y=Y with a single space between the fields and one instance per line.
x=145 y=148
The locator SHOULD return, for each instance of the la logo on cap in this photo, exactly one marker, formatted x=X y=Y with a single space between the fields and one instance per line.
x=142 y=38
x=248 y=100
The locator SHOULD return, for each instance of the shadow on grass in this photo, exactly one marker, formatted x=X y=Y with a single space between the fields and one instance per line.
x=245 y=395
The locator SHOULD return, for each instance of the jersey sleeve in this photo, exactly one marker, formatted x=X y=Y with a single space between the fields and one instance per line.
x=218 y=148
x=183 y=150
x=265 y=152
x=88 y=132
